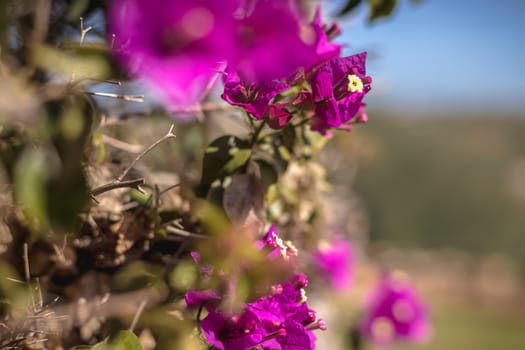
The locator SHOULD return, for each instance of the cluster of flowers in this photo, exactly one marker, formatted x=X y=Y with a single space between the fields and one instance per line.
x=279 y=320
x=329 y=92
x=177 y=47
x=393 y=310
x=282 y=319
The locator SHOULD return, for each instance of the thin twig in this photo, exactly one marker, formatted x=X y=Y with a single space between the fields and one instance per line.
x=107 y=81
x=137 y=314
x=28 y=277
x=210 y=107
x=14 y=280
x=133 y=98
x=121 y=144
x=26 y=262
x=176 y=222
x=157 y=206
x=184 y=233
x=168 y=136
x=256 y=133
x=83 y=31
x=168 y=189
x=40 y=297
x=119 y=184
x=94 y=199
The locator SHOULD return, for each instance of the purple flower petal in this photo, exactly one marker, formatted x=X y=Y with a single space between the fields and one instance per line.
x=174 y=46
x=232 y=333
x=325 y=49
x=196 y=298
x=334 y=262
x=255 y=97
x=336 y=101
x=273 y=42
x=395 y=312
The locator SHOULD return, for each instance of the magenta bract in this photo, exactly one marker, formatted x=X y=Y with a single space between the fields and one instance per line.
x=174 y=46
x=338 y=88
x=394 y=312
x=334 y=262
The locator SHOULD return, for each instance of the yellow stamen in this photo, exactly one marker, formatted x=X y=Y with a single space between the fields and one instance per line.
x=355 y=84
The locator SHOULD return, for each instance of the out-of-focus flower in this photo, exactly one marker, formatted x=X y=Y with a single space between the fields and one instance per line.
x=177 y=46
x=394 y=311
x=287 y=53
x=276 y=245
x=338 y=88
x=334 y=262
x=274 y=42
x=174 y=46
x=325 y=49
x=280 y=320
x=196 y=298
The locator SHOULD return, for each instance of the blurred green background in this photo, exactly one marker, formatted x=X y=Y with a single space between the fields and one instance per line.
x=445 y=182
x=445 y=200
x=439 y=169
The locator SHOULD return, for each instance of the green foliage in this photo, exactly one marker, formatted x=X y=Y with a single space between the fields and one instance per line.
x=222 y=157
x=137 y=275
x=77 y=62
x=123 y=340
x=424 y=189
x=381 y=8
x=13 y=294
x=461 y=328
x=31 y=177
x=378 y=8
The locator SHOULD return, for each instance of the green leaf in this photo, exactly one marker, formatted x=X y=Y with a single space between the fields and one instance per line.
x=143 y=198
x=222 y=157
x=280 y=147
x=380 y=8
x=76 y=63
x=99 y=144
x=30 y=176
x=77 y=9
x=212 y=217
x=136 y=275
x=269 y=174
x=239 y=157
x=69 y=123
x=14 y=295
x=349 y=7
x=243 y=200
x=123 y=340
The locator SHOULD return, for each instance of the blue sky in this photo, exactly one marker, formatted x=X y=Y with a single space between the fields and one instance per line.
x=445 y=54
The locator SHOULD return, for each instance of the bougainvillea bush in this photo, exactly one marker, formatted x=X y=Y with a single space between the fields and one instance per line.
x=161 y=182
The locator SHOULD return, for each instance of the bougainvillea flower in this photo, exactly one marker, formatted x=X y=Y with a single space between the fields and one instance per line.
x=253 y=97
x=196 y=298
x=394 y=312
x=229 y=333
x=277 y=115
x=174 y=46
x=256 y=96
x=280 y=320
x=324 y=48
x=338 y=89
x=276 y=246
x=333 y=261
x=273 y=42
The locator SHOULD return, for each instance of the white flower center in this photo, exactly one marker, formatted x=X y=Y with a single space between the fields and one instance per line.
x=355 y=84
